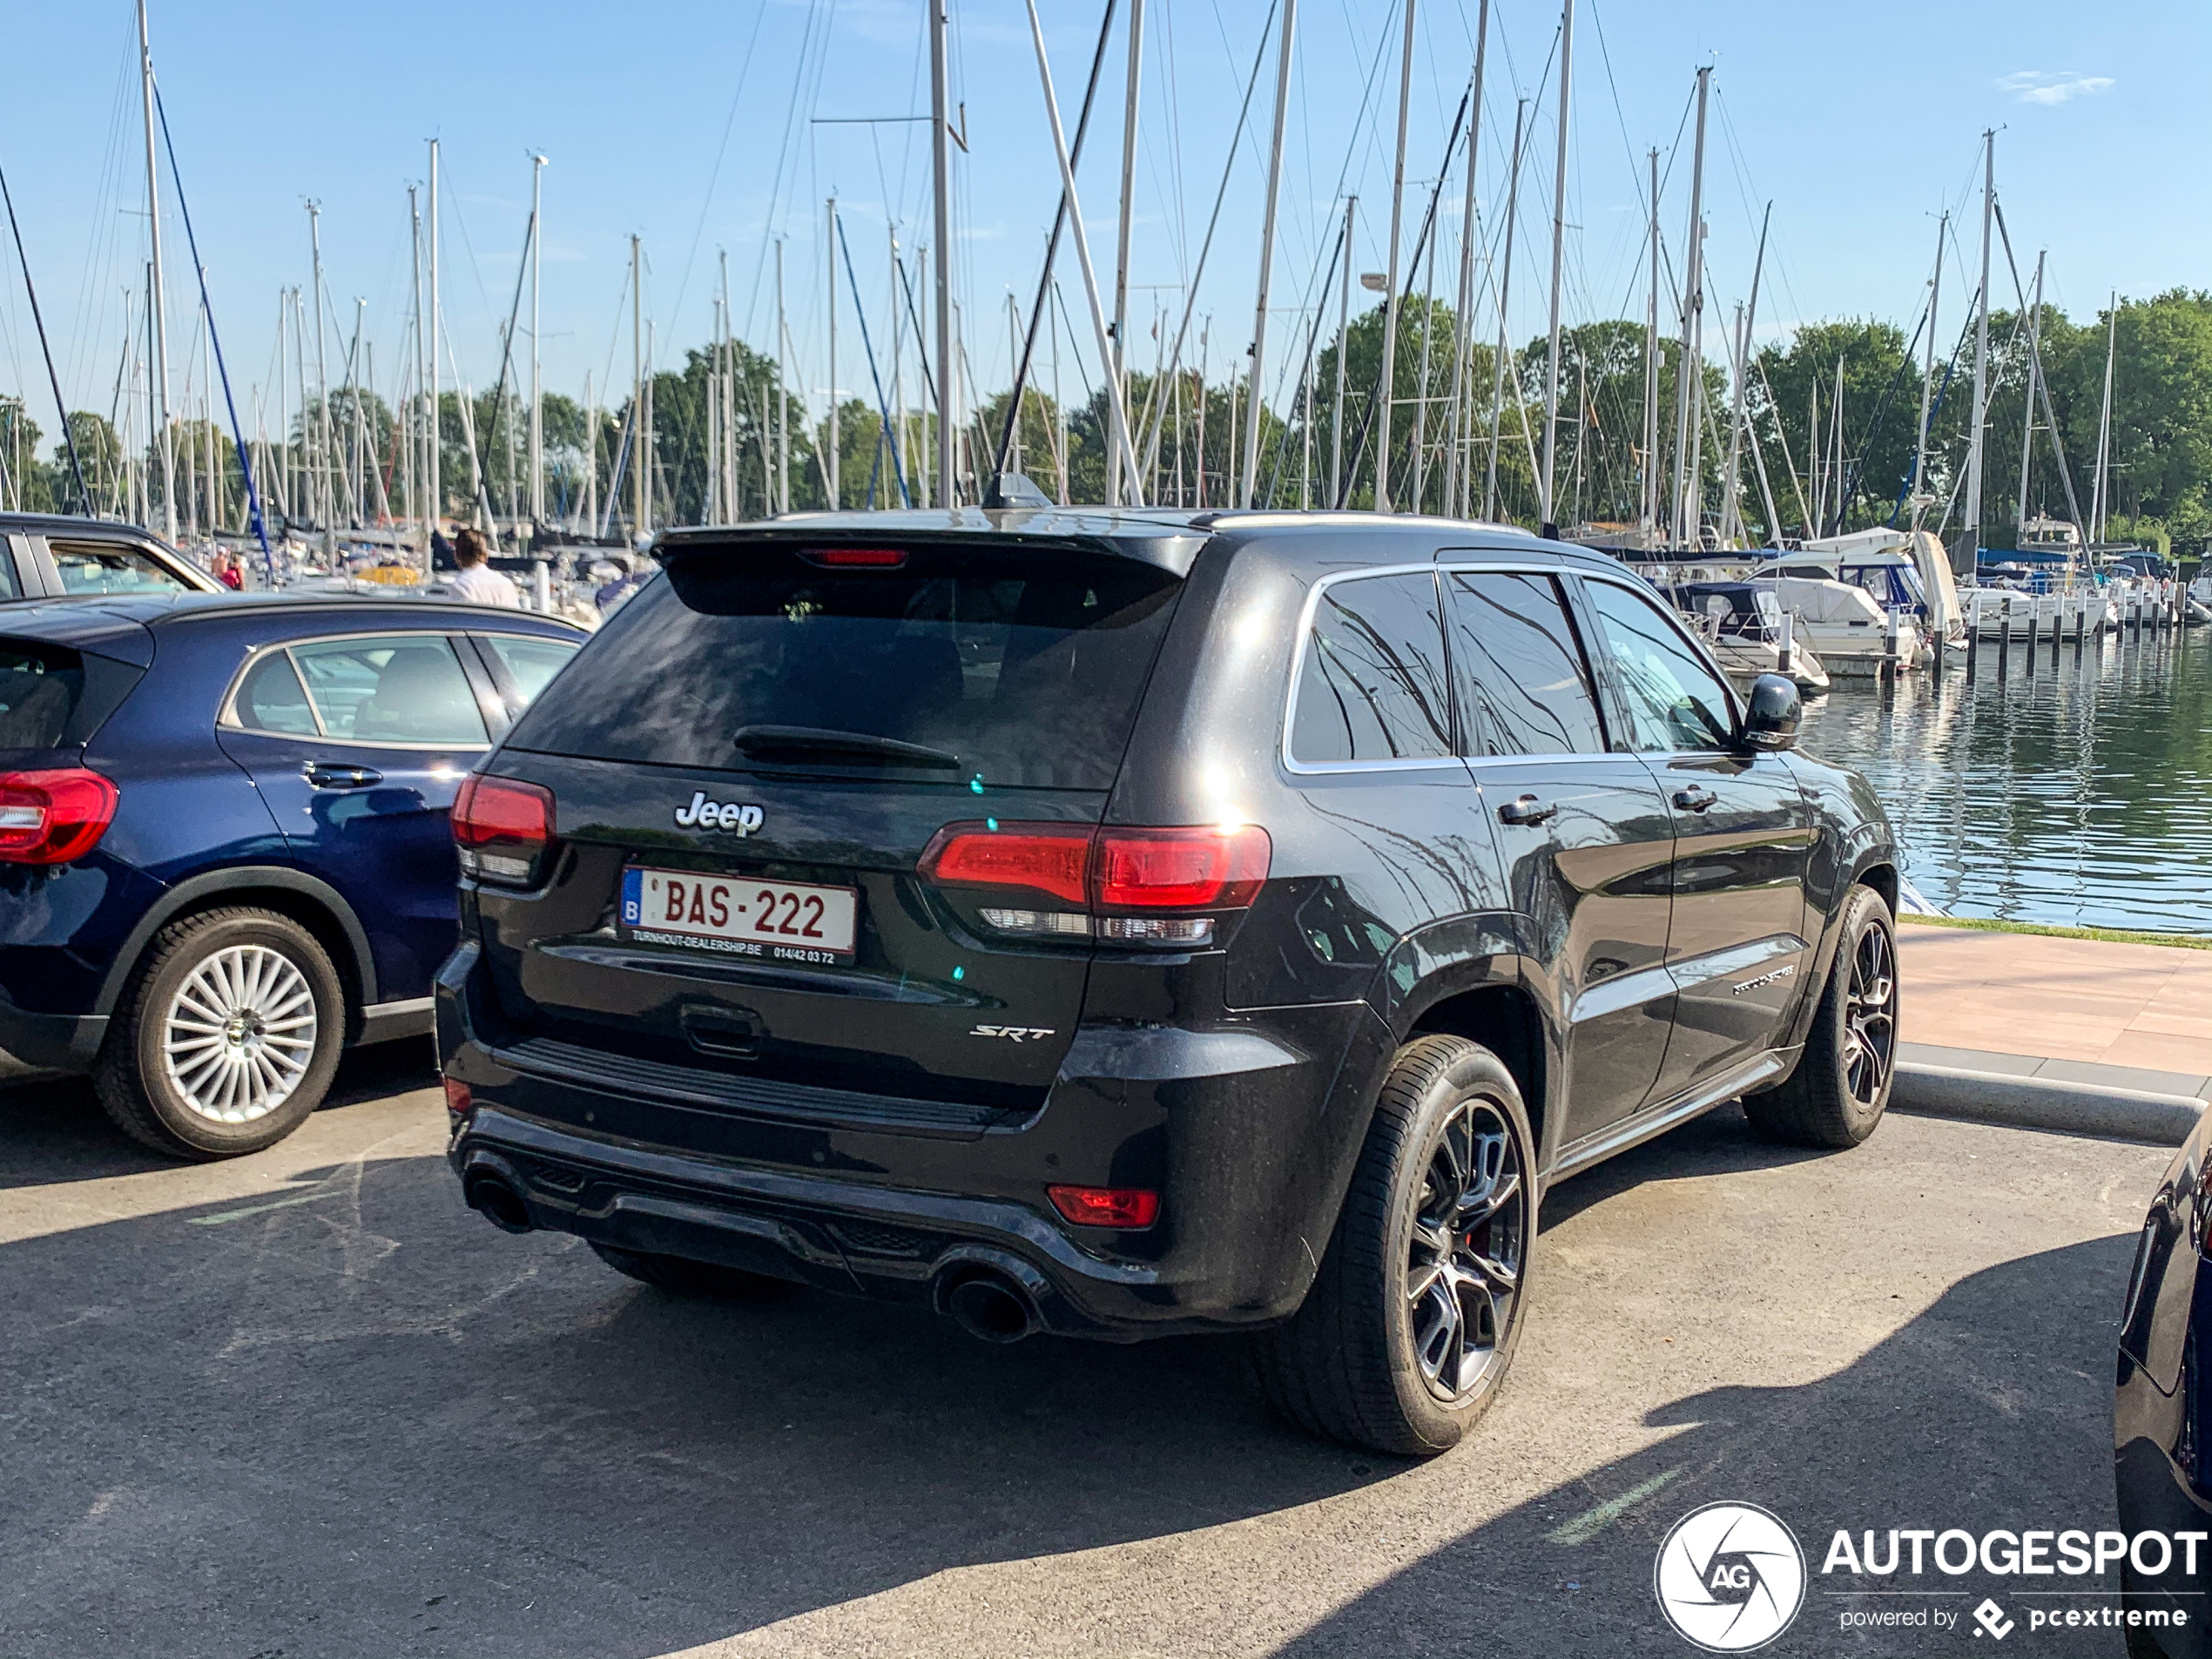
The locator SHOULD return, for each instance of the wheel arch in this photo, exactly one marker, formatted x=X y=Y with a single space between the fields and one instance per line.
x=313 y=904
x=1505 y=1017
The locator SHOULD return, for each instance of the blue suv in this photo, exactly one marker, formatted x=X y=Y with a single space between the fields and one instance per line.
x=224 y=853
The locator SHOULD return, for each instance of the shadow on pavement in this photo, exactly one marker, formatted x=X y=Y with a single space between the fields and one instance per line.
x=368 y=1424
x=1991 y=1409
x=55 y=1131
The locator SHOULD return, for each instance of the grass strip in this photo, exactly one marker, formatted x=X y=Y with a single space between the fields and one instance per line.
x=2108 y=936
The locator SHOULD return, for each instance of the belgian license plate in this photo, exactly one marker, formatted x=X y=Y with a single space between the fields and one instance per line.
x=777 y=921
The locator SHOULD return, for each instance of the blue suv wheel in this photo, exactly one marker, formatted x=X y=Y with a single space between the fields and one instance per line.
x=229 y=1036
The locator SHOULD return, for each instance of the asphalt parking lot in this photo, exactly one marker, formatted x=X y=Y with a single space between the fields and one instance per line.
x=305 y=1404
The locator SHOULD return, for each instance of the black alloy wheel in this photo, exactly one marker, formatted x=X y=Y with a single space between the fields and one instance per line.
x=1869 y=1017
x=1408 y=1332
x=1842 y=1083
x=1470 y=1226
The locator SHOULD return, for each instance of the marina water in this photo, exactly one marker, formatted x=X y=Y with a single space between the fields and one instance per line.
x=2079 y=794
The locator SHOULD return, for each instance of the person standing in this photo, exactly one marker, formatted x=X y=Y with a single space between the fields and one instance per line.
x=475 y=581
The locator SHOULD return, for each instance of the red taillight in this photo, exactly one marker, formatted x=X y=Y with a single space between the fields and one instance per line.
x=459 y=1100
x=53 y=817
x=502 y=828
x=1048 y=859
x=859 y=559
x=1134 y=887
x=1107 y=1206
x=1180 y=869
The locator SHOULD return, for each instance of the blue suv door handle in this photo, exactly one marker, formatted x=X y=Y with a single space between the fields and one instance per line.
x=325 y=774
x=1528 y=810
x=1695 y=799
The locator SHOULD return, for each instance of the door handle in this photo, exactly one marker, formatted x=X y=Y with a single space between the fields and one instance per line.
x=325 y=774
x=1528 y=810
x=1695 y=799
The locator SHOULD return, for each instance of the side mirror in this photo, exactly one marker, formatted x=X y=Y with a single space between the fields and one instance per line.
x=1770 y=718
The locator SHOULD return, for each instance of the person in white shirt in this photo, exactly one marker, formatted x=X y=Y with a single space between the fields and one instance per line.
x=475 y=581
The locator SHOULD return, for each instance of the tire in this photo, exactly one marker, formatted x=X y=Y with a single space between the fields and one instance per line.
x=1374 y=1357
x=227 y=1036
x=1842 y=1083
x=680 y=1274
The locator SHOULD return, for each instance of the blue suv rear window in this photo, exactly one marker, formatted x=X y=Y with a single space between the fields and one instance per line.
x=1023 y=664
x=54 y=698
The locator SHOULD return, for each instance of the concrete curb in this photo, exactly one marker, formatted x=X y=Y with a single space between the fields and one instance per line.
x=2039 y=1102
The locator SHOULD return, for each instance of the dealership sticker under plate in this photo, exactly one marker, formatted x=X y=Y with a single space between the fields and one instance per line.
x=777 y=921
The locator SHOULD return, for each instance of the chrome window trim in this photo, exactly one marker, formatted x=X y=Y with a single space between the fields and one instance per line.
x=226 y=715
x=1313 y=603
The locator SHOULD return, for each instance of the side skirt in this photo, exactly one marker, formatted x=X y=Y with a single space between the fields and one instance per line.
x=1657 y=1120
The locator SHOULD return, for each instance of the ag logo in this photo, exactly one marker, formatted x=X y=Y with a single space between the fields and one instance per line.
x=1729 y=1577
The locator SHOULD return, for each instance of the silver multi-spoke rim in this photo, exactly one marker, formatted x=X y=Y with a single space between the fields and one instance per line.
x=238 y=1034
x=1470 y=1228
x=1870 y=1016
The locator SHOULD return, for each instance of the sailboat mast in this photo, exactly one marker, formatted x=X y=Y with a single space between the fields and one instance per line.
x=1505 y=293
x=1386 y=389
x=436 y=438
x=1266 y=252
x=639 y=510
x=2034 y=372
x=538 y=377
x=1117 y=368
x=1458 y=475
x=414 y=437
x=783 y=392
x=1693 y=300
x=1927 y=376
x=1344 y=350
x=1647 y=513
x=325 y=512
x=941 y=175
x=829 y=263
x=2099 y=502
x=1545 y=504
x=160 y=303
x=1973 y=512
x=1746 y=319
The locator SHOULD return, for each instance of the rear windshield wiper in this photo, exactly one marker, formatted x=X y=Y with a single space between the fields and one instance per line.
x=822 y=744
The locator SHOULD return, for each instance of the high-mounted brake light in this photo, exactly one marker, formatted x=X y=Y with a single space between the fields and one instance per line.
x=858 y=558
x=502 y=828
x=53 y=817
x=1133 y=887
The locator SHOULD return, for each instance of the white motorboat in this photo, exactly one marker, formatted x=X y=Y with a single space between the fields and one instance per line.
x=1750 y=633
x=1849 y=633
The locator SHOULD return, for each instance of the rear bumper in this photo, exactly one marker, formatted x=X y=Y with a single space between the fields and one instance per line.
x=1231 y=1126
x=45 y=1044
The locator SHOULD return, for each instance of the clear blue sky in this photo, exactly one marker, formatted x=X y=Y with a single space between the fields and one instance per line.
x=692 y=125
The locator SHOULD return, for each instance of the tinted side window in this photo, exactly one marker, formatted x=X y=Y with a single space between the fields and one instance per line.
x=530 y=663
x=1522 y=684
x=1373 y=684
x=270 y=699
x=87 y=568
x=409 y=689
x=1674 y=700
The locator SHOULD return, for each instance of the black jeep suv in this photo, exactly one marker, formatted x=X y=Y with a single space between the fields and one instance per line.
x=1120 y=924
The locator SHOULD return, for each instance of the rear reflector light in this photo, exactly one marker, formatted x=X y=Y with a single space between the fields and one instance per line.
x=1107 y=1206
x=53 y=817
x=501 y=829
x=859 y=559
